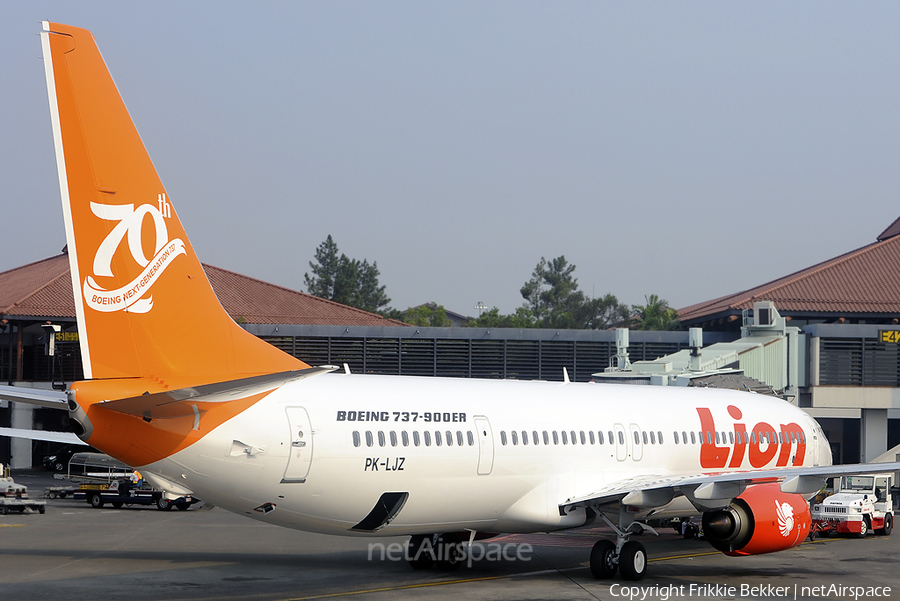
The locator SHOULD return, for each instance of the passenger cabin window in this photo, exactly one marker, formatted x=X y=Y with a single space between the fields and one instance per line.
x=471 y=438
x=503 y=437
x=437 y=438
x=659 y=436
x=555 y=437
x=564 y=437
x=676 y=437
x=644 y=436
x=427 y=436
x=652 y=438
x=369 y=440
x=600 y=438
x=621 y=437
x=449 y=438
x=591 y=436
x=693 y=439
x=405 y=438
x=515 y=438
x=583 y=441
x=546 y=438
x=356 y=438
x=611 y=439
x=459 y=438
x=637 y=437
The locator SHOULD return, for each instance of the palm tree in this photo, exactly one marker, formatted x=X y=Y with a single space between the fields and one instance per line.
x=656 y=315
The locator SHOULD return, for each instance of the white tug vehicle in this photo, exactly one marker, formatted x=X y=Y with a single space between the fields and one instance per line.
x=14 y=497
x=862 y=503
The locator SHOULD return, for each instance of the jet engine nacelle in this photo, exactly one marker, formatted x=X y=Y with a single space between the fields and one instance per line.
x=761 y=520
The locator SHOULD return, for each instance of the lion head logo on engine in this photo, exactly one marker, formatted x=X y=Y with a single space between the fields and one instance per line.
x=785 y=518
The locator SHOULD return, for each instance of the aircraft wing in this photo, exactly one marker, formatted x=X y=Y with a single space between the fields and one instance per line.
x=55 y=399
x=184 y=401
x=711 y=491
x=46 y=435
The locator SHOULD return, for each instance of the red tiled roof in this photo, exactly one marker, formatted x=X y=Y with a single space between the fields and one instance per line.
x=44 y=289
x=866 y=280
x=891 y=231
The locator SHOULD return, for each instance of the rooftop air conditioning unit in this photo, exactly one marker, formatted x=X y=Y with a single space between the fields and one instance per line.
x=764 y=313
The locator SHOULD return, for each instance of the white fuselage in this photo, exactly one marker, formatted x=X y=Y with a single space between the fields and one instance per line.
x=323 y=450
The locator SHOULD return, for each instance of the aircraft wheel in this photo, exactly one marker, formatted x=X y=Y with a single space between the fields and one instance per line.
x=633 y=561
x=420 y=552
x=449 y=554
x=603 y=559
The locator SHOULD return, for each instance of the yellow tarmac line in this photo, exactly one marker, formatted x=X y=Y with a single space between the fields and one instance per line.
x=484 y=578
x=401 y=588
x=12 y=525
x=689 y=555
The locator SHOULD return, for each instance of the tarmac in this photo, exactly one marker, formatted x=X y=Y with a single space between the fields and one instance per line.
x=74 y=552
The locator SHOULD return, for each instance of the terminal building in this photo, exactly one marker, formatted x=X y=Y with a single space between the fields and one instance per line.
x=839 y=356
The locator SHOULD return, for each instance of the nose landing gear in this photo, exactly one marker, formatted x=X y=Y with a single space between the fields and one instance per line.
x=443 y=550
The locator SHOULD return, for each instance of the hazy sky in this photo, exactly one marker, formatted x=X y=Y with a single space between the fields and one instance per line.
x=685 y=149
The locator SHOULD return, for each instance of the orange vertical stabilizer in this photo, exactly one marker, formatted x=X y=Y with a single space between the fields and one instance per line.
x=144 y=305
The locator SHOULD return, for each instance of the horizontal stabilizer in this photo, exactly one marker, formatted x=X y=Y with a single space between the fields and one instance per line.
x=55 y=399
x=184 y=401
x=46 y=435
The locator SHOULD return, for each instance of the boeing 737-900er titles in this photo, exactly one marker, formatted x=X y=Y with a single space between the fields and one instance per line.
x=175 y=388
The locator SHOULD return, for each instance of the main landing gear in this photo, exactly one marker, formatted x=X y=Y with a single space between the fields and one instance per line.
x=628 y=556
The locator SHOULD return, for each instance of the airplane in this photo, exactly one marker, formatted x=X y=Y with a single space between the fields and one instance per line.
x=175 y=388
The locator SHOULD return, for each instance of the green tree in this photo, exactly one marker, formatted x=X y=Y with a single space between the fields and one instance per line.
x=522 y=318
x=656 y=315
x=324 y=270
x=345 y=280
x=553 y=297
x=610 y=313
x=427 y=315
